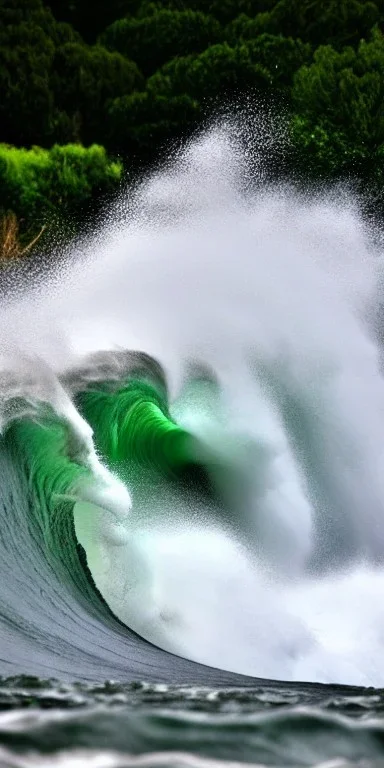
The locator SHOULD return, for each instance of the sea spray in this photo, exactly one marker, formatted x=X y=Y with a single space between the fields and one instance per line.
x=275 y=294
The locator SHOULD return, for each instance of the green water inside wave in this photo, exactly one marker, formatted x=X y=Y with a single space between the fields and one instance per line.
x=51 y=473
x=133 y=433
x=42 y=448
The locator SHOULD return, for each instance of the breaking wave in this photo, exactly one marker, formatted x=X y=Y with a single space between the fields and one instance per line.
x=192 y=450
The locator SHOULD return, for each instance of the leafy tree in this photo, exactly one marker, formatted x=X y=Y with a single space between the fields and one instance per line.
x=28 y=36
x=155 y=39
x=223 y=10
x=139 y=123
x=336 y=22
x=83 y=79
x=219 y=71
x=178 y=96
x=339 y=101
x=320 y=56
x=91 y=19
x=26 y=104
x=281 y=56
x=54 y=87
x=15 y=13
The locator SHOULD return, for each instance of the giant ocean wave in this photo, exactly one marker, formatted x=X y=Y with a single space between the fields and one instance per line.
x=192 y=411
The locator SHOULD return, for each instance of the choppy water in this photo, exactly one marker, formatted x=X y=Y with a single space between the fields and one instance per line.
x=192 y=485
x=50 y=724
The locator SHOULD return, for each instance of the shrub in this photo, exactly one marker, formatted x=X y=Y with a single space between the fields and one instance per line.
x=37 y=182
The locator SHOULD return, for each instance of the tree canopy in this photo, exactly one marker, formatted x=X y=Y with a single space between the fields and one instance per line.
x=133 y=74
x=339 y=101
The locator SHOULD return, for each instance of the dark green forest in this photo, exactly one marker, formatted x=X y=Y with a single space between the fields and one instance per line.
x=88 y=90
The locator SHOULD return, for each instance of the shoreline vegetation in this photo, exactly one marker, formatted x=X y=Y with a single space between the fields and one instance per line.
x=43 y=189
x=89 y=97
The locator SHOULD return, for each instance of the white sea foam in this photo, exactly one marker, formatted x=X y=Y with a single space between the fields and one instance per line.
x=275 y=293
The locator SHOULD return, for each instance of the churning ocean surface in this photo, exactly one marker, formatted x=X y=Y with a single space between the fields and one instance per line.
x=192 y=481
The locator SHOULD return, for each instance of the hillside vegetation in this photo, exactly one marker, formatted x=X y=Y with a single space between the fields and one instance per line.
x=128 y=76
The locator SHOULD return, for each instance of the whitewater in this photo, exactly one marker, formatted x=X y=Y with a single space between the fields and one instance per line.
x=247 y=314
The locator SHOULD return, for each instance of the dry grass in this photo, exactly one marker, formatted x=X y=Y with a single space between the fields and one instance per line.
x=10 y=243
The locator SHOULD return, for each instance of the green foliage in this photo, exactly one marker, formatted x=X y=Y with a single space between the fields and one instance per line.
x=178 y=95
x=91 y=19
x=26 y=106
x=54 y=88
x=223 y=10
x=134 y=74
x=17 y=16
x=281 y=56
x=219 y=71
x=143 y=121
x=155 y=39
x=84 y=78
x=37 y=182
x=336 y=22
x=339 y=101
x=28 y=35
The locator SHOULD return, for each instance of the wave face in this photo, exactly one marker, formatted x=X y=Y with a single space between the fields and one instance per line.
x=219 y=493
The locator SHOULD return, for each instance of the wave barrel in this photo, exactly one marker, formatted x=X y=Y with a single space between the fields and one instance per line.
x=133 y=428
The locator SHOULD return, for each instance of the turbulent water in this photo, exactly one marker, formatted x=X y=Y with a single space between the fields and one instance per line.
x=192 y=490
